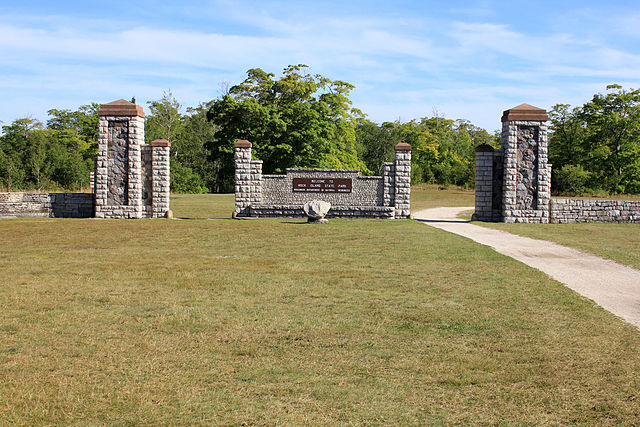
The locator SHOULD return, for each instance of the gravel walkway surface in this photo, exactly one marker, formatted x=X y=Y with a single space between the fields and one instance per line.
x=613 y=286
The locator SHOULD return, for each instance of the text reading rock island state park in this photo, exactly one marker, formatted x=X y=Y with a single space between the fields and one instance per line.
x=322 y=185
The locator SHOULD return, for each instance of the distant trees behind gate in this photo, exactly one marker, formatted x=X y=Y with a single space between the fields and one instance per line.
x=307 y=120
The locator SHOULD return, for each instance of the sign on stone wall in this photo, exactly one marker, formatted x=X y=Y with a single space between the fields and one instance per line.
x=322 y=185
x=350 y=194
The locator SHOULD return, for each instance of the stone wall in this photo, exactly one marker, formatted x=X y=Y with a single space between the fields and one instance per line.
x=55 y=205
x=259 y=195
x=514 y=184
x=564 y=211
x=365 y=191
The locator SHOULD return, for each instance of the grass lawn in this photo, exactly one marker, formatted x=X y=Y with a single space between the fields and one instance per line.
x=202 y=205
x=282 y=322
x=425 y=196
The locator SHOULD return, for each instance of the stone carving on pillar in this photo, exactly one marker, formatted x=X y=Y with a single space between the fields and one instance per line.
x=118 y=179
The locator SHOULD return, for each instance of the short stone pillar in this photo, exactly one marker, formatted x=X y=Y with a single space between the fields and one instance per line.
x=527 y=175
x=248 y=178
x=160 y=177
x=484 y=183
x=118 y=176
x=402 y=180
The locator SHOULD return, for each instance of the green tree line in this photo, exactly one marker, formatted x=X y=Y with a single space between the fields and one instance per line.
x=595 y=148
x=306 y=120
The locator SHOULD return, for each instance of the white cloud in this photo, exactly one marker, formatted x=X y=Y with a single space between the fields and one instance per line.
x=401 y=65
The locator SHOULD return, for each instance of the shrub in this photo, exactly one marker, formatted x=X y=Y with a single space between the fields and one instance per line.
x=571 y=179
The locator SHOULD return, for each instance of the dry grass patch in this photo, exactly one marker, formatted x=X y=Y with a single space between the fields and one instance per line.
x=202 y=205
x=426 y=196
x=281 y=322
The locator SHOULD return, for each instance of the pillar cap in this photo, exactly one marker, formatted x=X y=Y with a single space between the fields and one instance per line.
x=242 y=143
x=160 y=143
x=121 y=108
x=402 y=146
x=484 y=148
x=526 y=113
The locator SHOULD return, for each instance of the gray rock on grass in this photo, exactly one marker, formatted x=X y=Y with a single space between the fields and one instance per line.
x=316 y=210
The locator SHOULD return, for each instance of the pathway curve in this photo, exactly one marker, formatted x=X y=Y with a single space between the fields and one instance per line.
x=613 y=286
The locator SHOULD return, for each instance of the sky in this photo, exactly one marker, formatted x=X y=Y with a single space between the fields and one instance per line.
x=407 y=59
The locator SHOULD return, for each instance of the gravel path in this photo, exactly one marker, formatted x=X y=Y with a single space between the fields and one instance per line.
x=613 y=286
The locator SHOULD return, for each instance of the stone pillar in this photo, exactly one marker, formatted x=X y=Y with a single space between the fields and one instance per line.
x=160 y=177
x=527 y=174
x=389 y=184
x=484 y=183
x=402 y=166
x=118 y=175
x=248 y=178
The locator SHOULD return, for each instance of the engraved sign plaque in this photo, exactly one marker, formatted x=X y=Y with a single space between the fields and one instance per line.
x=322 y=185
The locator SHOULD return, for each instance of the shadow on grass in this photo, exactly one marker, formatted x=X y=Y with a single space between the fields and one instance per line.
x=448 y=221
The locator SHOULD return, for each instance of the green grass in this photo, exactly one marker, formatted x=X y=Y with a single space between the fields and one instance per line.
x=202 y=205
x=426 y=196
x=282 y=322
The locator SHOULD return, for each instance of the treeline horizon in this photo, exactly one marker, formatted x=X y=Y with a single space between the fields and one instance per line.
x=305 y=120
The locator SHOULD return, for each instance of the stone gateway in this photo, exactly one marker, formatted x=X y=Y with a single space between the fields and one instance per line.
x=513 y=183
x=131 y=177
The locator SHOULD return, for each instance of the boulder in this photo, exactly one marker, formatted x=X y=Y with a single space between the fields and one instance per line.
x=316 y=210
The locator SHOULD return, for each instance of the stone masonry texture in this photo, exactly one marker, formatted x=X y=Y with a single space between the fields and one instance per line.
x=259 y=195
x=565 y=211
x=514 y=184
x=54 y=205
x=131 y=179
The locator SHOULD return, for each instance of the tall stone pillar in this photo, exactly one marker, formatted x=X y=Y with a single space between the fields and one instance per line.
x=160 y=177
x=248 y=178
x=118 y=175
x=527 y=174
x=402 y=166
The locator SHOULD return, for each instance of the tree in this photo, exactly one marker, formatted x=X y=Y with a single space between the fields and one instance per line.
x=597 y=146
x=77 y=130
x=164 y=120
x=197 y=135
x=613 y=122
x=299 y=120
x=375 y=143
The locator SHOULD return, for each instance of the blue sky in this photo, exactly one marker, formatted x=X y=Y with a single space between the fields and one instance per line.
x=407 y=59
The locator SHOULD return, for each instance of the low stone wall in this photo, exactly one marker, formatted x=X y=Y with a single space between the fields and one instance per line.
x=379 y=212
x=55 y=205
x=350 y=195
x=365 y=191
x=563 y=211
